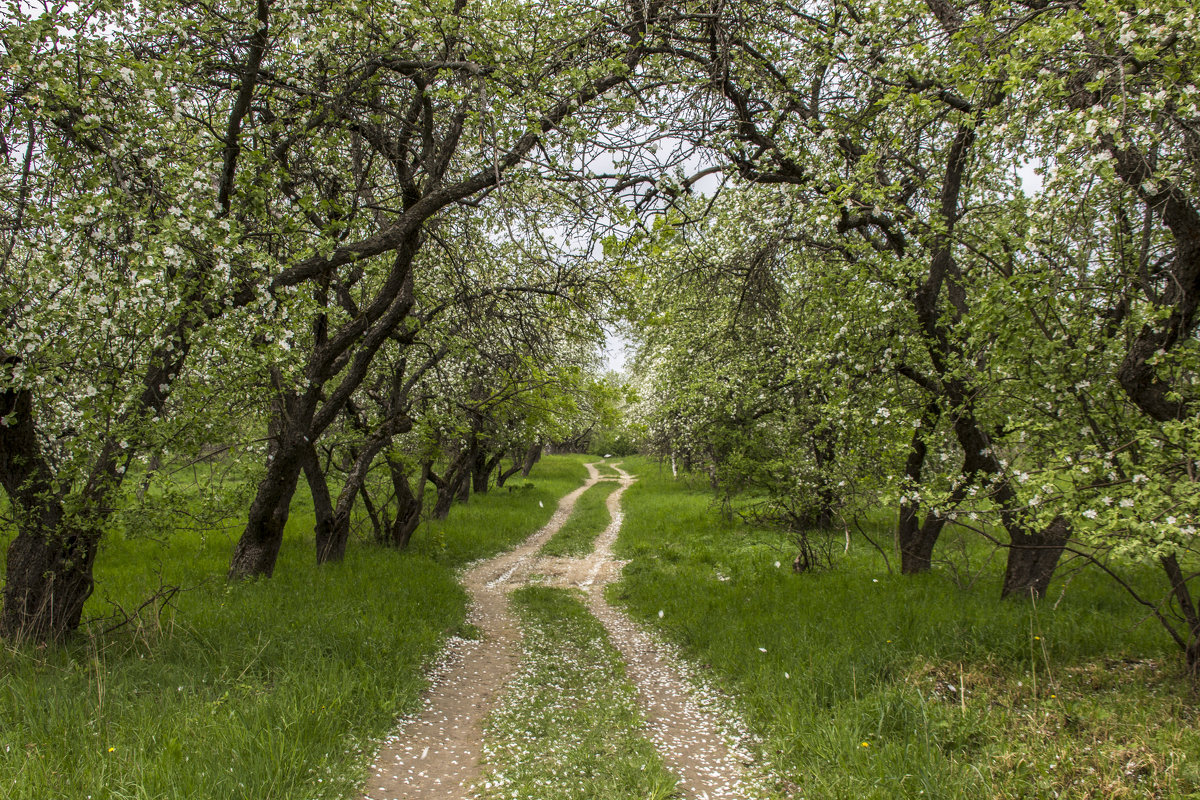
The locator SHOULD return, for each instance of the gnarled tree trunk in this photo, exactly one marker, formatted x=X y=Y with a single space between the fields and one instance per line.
x=318 y=486
x=1032 y=558
x=333 y=546
x=409 y=505
x=289 y=451
x=345 y=355
x=503 y=475
x=915 y=539
x=532 y=455
x=451 y=485
x=48 y=573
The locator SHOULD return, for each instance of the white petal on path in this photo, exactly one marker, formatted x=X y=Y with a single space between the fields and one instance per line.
x=445 y=740
x=435 y=754
x=689 y=737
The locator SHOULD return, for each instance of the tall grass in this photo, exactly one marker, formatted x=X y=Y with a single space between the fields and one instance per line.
x=266 y=689
x=867 y=684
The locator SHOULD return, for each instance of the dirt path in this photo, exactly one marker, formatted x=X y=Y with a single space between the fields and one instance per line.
x=687 y=734
x=436 y=753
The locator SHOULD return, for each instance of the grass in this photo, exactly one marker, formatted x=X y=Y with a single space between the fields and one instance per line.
x=269 y=689
x=865 y=684
x=860 y=683
x=606 y=470
x=568 y=727
x=586 y=522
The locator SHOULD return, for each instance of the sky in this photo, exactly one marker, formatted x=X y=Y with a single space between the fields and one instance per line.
x=616 y=348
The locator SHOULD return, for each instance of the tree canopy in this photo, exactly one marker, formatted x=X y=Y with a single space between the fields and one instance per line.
x=938 y=257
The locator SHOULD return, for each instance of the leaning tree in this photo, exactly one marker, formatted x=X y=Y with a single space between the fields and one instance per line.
x=434 y=118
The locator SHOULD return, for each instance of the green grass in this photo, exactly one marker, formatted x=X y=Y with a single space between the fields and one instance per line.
x=606 y=470
x=568 y=727
x=853 y=676
x=586 y=522
x=503 y=517
x=268 y=689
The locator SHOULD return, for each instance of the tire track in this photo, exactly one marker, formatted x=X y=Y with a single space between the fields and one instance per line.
x=690 y=736
x=435 y=754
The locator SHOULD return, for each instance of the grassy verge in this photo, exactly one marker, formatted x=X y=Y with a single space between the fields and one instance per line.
x=865 y=684
x=267 y=689
x=568 y=727
x=586 y=522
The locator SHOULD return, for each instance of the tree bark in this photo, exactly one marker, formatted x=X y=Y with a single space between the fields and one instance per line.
x=481 y=468
x=503 y=475
x=823 y=447
x=1033 y=557
x=1187 y=609
x=462 y=491
x=333 y=547
x=379 y=527
x=409 y=505
x=450 y=487
x=48 y=578
x=532 y=455
x=916 y=548
x=484 y=467
x=48 y=574
x=258 y=548
x=348 y=353
x=914 y=542
x=318 y=485
x=289 y=451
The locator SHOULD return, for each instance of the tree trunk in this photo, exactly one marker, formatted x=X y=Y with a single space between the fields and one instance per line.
x=1188 y=610
x=262 y=537
x=48 y=578
x=450 y=487
x=409 y=505
x=378 y=527
x=484 y=467
x=1033 y=557
x=48 y=574
x=504 y=474
x=258 y=547
x=481 y=470
x=322 y=501
x=462 y=491
x=333 y=547
x=917 y=541
x=348 y=354
x=532 y=455
x=445 y=499
x=914 y=542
